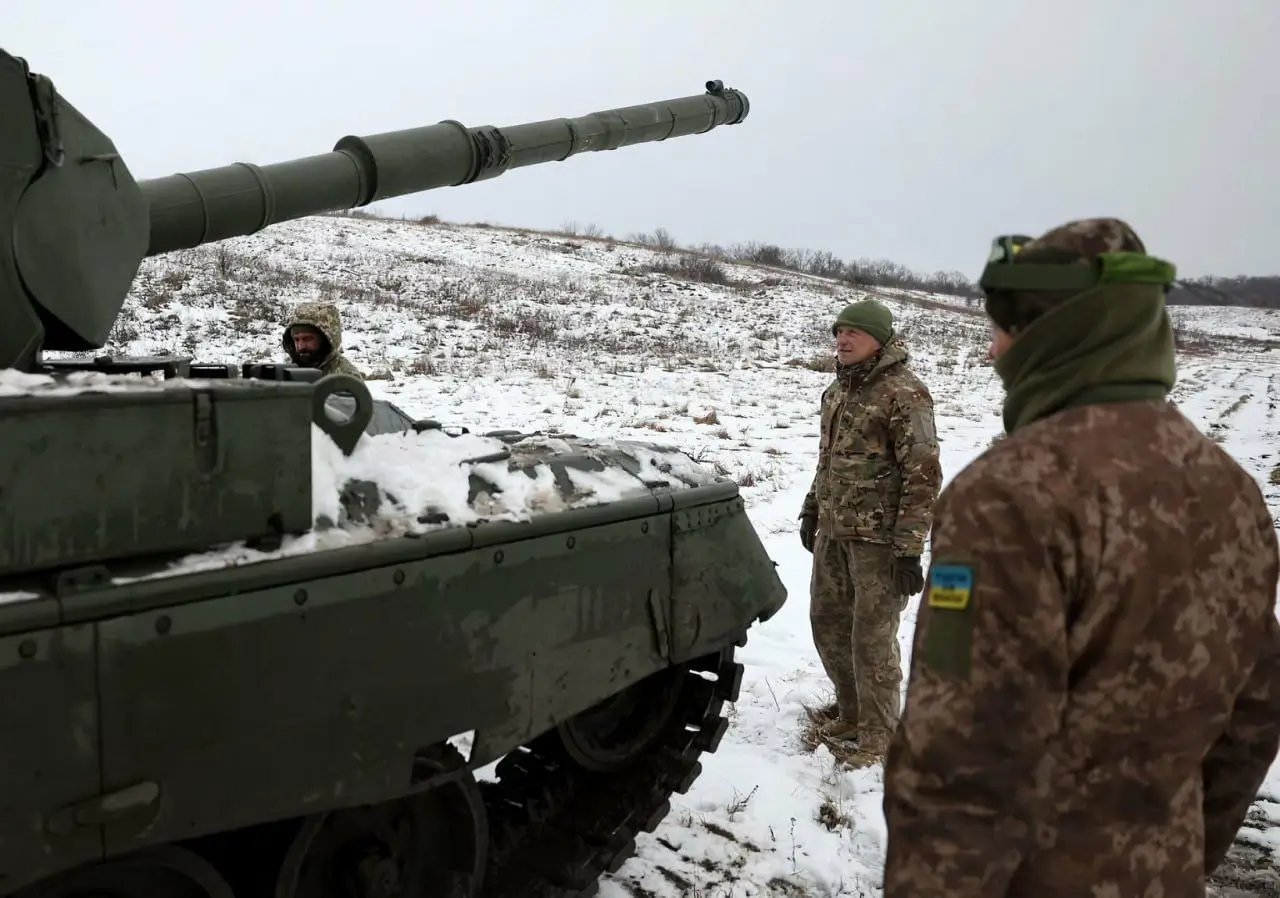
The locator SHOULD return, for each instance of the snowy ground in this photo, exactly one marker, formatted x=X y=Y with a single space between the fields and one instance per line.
x=496 y=329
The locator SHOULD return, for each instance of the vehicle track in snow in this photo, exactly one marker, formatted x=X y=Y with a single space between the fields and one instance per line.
x=1237 y=403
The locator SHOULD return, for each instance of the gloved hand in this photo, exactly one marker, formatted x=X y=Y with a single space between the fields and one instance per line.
x=808 y=530
x=908 y=578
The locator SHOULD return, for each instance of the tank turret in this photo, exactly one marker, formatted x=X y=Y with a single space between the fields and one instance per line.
x=81 y=224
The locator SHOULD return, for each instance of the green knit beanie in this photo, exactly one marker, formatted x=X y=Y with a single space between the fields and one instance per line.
x=867 y=315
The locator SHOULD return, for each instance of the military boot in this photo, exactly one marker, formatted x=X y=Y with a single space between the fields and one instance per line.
x=872 y=749
x=839 y=729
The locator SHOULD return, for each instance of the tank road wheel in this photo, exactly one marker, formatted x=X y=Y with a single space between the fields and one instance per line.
x=429 y=845
x=622 y=728
x=165 y=872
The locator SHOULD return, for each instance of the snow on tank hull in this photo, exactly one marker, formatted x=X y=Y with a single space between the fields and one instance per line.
x=566 y=607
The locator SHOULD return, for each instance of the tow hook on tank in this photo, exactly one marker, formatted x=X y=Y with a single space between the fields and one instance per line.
x=346 y=430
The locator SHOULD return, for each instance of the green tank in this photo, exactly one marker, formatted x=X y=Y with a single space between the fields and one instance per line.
x=240 y=658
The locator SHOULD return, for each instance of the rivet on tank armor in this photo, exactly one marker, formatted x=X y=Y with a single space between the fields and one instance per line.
x=164 y=624
x=300 y=597
x=398 y=576
x=27 y=649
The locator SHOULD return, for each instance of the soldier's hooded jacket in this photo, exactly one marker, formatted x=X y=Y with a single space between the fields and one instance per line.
x=878 y=470
x=1094 y=696
x=324 y=317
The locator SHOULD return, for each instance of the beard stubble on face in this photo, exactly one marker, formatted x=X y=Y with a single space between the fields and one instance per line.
x=855 y=347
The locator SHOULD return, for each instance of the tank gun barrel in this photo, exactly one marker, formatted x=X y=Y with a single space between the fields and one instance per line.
x=200 y=207
x=75 y=224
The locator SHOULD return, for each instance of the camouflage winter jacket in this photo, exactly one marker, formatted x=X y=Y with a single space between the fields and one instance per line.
x=1095 y=685
x=324 y=317
x=878 y=469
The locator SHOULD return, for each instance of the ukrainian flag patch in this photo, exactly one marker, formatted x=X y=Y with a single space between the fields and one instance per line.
x=950 y=586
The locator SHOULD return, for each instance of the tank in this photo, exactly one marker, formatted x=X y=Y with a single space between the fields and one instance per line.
x=263 y=637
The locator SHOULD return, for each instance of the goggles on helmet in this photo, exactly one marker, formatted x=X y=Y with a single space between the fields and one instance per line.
x=1001 y=272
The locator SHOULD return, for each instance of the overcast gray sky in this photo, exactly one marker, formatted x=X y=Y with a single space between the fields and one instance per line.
x=909 y=129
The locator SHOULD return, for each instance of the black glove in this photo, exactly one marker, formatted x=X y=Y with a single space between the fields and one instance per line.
x=808 y=530
x=908 y=578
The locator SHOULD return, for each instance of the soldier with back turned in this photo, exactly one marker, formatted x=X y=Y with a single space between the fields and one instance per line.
x=1094 y=697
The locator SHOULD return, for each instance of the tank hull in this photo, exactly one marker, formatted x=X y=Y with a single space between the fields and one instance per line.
x=345 y=678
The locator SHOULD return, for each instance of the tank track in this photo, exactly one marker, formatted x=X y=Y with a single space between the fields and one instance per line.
x=555 y=828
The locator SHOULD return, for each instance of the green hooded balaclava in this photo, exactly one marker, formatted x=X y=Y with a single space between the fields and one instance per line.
x=1085 y=305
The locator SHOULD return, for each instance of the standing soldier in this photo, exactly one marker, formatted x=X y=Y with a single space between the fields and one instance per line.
x=1095 y=682
x=865 y=520
x=313 y=339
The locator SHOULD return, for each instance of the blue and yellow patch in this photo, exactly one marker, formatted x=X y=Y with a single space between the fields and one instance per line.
x=950 y=586
x=946 y=646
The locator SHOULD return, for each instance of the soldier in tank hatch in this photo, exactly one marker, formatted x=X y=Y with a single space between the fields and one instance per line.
x=1094 y=696
x=313 y=339
x=865 y=519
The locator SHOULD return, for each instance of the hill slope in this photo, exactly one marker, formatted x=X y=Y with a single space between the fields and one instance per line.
x=506 y=328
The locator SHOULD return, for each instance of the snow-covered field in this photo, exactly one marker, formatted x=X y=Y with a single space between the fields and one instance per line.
x=495 y=328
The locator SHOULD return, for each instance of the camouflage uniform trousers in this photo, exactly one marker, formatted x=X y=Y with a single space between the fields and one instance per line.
x=854 y=613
